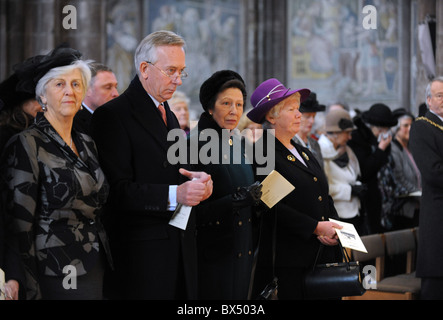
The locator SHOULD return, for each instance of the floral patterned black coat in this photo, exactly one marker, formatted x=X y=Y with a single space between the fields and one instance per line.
x=52 y=200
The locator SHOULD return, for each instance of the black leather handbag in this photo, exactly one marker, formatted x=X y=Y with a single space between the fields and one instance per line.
x=334 y=280
x=270 y=292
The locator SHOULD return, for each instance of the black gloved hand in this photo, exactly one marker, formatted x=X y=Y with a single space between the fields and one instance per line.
x=359 y=190
x=247 y=196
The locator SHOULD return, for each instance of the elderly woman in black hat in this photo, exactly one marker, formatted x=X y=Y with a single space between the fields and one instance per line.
x=371 y=144
x=224 y=220
x=54 y=185
x=300 y=221
x=309 y=109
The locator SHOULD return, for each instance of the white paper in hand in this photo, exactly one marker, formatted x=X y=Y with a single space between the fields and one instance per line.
x=274 y=188
x=2 y=285
x=349 y=237
x=180 y=217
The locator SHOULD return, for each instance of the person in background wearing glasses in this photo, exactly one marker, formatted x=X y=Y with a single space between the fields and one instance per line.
x=407 y=176
x=153 y=259
x=426 y=145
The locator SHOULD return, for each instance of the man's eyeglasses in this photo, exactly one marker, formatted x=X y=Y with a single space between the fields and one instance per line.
x=171 y=72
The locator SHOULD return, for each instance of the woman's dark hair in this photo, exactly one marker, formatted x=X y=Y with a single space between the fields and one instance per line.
x=234 y=83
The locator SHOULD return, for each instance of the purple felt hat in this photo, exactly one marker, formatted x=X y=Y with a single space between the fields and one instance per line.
x=267 y=95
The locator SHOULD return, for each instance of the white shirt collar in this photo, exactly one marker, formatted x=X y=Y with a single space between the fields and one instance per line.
x=155 y=101
x=294 y=151
x=87 y=108
x=441 y=118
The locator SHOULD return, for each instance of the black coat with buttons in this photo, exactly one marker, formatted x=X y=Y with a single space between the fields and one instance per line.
x=224 y=233
x=296 y=217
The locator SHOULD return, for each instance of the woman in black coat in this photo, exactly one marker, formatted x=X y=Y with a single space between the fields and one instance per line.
x=301 y=219
x=371 y=143
x=224 y=220
x=17 y=111
x=426 y=141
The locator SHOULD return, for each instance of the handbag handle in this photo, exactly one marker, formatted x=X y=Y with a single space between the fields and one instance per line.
x=344 y=254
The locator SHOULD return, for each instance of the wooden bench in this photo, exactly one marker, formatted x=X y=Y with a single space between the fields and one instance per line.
x=404 y=286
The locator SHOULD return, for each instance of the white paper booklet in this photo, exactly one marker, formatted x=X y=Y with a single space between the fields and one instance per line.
x=349 y=237
x=2 y=285
x=180 y=217
x=274 y=188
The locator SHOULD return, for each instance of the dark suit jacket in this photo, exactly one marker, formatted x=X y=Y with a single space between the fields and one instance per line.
x=426 y=145
x=82 y=121
x=150 y=255
x=297 y=217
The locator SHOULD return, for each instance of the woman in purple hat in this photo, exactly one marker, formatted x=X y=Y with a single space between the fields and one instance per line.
x=301 y=219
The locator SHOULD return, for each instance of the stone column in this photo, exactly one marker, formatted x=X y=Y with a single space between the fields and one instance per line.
x=3 y=35
x=38 y=30
x=89 y=37
x=405 y=59
x=266 y=41
x=439 y=39
x=27 y=29
x=424 y=8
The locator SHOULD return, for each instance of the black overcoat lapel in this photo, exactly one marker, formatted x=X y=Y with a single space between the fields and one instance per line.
x=146 y=113
x=311 y=167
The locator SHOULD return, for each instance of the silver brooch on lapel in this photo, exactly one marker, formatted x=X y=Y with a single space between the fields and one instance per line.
x=305 y=156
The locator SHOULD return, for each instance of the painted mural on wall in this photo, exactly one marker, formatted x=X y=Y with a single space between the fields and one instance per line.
x=331 y=52
x=212 y=30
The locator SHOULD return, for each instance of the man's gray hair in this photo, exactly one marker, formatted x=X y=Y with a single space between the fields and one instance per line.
x=147 y=49
x=428 y=88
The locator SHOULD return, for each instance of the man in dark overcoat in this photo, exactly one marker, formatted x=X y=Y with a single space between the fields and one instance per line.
x=153 y=259
x=426 y=145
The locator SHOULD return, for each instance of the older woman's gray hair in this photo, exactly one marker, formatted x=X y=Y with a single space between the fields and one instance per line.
x=398 y=125
x=178 y=97
x=82 y=65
